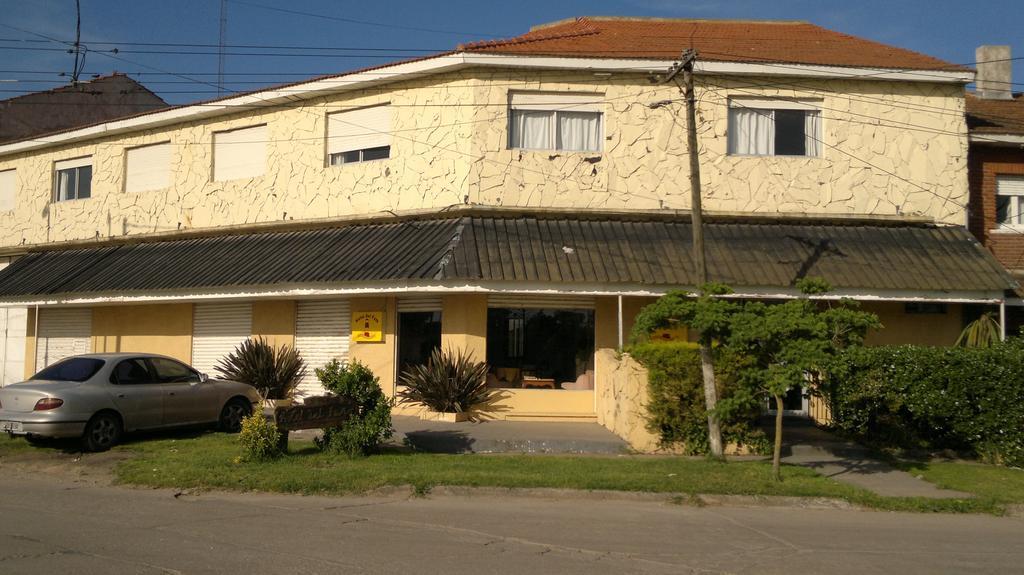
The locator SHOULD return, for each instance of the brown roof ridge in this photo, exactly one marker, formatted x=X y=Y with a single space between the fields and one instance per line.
x=566 y=21
x=584 y=28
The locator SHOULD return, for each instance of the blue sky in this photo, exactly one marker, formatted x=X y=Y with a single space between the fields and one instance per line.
x=398 y=29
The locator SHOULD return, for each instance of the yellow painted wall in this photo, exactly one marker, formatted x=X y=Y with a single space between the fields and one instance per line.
x=621 y=384
x=274 y=320
x=378 y=356
x=450 y=144
x=464 y=324
x=165 y=329
x=922 y=329
x=30 y=344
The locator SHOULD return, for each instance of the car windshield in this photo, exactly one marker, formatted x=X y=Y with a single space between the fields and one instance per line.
x=71 y=369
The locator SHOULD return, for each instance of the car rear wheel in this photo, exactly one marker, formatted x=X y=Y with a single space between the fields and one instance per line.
x=102 y=432
x=232 y=415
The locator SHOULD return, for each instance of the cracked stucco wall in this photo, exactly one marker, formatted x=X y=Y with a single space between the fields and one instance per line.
x=449 y=146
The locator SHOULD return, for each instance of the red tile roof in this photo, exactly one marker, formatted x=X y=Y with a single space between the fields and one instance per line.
x=986 y=116
x=720 y=40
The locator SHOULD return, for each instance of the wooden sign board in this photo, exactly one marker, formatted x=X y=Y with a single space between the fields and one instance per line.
x=668 y=335
x=327 y=412
x=367 y=326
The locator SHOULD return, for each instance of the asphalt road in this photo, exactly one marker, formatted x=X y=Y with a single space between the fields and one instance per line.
x=52 y=525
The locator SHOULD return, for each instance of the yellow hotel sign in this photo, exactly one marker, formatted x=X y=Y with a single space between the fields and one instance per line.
x=367 y=326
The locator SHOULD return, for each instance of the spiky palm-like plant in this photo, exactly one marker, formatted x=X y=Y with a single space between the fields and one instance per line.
x=982 y=332
x=275 y=373
x=450 y=382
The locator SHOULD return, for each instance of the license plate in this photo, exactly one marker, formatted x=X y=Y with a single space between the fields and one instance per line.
x=10 y=426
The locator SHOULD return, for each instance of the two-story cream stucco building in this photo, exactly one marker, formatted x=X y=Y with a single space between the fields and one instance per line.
x=521 y=199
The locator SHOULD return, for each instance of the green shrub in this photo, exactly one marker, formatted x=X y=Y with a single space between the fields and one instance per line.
x=370 y=425
x=259 y=438
x=275 y=373
x=676 y=411
x=449 y=382
x=960 y=398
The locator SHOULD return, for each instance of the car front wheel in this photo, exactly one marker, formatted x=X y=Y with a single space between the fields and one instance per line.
x=102 y=432
x=232 y=415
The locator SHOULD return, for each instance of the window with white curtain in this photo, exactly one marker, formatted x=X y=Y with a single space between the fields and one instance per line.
x=1010 y=201
x=765 y=127
x=72 y=179
x=556 y=121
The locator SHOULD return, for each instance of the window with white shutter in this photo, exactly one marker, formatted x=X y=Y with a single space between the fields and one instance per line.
x=1010 y=201
x=147 y=168
x=239 y=153
x=359 y=135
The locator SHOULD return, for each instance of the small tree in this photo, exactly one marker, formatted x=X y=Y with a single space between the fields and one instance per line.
x=370 y=425
x=771 y=348
x=450 y=382
x=790 y=345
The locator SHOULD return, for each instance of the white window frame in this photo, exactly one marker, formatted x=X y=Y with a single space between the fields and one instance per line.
x=556 y=103
x=72 y=164
x=1016 y=196
x=8 y=190
x=769 y=106
x=369 y=137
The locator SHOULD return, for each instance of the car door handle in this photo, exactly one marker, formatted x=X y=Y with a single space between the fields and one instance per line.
x=170 y=393
x=120 y=396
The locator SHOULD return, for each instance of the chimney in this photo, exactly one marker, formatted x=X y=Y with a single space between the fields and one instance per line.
x=994 y=72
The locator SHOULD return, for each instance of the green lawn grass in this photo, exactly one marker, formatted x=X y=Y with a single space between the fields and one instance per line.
x=211 y=461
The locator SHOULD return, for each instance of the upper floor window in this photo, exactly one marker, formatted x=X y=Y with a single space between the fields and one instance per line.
x=7 y=187
x=72 y=179
x=147 y=168
x=359 y=135
x=760 y=127
x=555 y=121
x=240 y=153
x=1010 y=200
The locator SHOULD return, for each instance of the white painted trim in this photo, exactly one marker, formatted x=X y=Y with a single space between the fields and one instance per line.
x=448 y=62
x=996 y=139
x=525 y=288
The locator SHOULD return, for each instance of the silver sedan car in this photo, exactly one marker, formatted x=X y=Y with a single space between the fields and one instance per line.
x=99 y=397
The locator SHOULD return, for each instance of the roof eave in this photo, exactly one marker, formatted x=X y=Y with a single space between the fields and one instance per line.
x=453 y=61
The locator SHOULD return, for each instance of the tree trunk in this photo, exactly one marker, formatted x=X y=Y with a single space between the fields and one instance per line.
x=710 y=400
x=777 y=454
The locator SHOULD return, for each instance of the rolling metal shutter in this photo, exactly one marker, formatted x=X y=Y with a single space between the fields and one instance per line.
x=419 y=303
x=62 y=333
x=13 y=322
x=217 y=329
x=321 y=334
x=533 y=301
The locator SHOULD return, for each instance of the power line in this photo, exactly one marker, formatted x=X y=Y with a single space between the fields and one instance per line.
x=361 y=22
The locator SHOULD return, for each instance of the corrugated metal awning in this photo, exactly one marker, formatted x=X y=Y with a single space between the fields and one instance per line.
x=475 y=250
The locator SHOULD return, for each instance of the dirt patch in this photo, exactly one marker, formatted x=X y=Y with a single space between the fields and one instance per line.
x=92 y=468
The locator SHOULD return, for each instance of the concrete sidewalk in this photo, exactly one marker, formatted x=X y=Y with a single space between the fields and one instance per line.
x=506 y=437
x=808 y=446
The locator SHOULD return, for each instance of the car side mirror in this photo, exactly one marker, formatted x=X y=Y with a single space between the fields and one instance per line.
x=203 y=378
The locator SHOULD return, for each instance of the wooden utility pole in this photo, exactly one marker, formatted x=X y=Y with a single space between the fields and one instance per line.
x=697 y=223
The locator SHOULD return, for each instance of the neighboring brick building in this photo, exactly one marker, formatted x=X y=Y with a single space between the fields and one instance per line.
x=995 y=119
